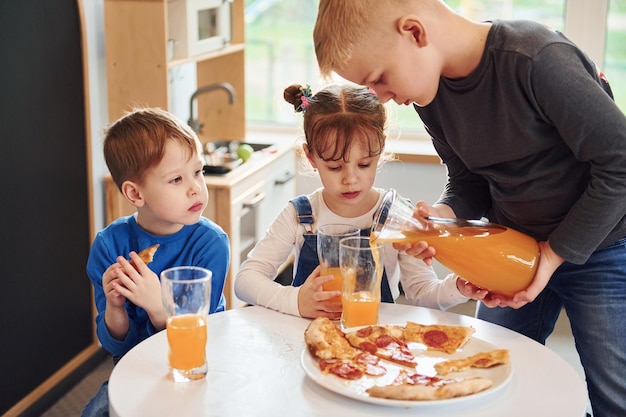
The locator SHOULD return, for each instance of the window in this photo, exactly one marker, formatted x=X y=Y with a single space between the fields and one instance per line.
x=279 y=47
x=615 y=58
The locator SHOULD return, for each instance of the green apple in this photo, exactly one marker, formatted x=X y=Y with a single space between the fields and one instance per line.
x=244 y=151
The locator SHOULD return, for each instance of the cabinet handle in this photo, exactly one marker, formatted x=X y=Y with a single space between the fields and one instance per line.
x=255 y=201
x=284 y=179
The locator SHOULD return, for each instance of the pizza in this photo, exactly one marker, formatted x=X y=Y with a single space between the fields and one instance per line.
x=386 y=342
x=365 y=352
x=479 y=360
x=147 y=255
x=326 y=341
x=415 y=387
x=439 y=337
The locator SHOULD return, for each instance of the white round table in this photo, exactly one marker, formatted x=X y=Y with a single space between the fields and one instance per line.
x=255 y=370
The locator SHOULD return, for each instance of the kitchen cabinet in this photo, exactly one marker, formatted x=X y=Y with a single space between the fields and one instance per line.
x=138 y=65
x=243 y=202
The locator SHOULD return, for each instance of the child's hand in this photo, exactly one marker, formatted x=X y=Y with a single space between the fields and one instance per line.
x=314 y=302
x=421 y=250
x=109 y=282
x=142 y=287
x=471 y=291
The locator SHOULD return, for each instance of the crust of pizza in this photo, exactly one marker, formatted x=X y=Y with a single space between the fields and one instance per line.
x=445 y=338
x=479 y=360
x=416 y=392
x=147 y=255
x=326 y=341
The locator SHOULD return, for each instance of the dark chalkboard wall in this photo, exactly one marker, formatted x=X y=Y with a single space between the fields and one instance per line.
x=45 y=296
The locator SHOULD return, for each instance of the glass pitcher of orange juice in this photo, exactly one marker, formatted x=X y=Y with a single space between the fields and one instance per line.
x=491 y=256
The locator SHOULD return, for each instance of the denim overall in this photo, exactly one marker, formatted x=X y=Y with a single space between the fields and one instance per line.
x=308 y=259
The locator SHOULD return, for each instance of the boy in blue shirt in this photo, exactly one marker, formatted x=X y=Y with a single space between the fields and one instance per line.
x=155 y=160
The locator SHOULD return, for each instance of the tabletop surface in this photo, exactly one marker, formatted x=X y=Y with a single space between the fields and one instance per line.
x=254 y=356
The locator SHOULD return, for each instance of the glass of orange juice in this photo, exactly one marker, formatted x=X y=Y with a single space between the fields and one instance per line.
x=186 y=294
x=361 y=263
x=328 y=237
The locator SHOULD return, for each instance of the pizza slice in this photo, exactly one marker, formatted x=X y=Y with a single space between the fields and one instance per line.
x=439 y=337
x=410 y=386
x=146 y=255
x=479 y=360
x=326 y=341
x=386 y=342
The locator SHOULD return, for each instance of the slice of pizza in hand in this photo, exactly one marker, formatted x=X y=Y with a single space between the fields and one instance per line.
x=479 y=360
x=146 y=255
x=415 y=387
x=439 y=337
x=386 y=342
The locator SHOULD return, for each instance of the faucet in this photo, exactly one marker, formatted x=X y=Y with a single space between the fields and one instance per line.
x=193 y=122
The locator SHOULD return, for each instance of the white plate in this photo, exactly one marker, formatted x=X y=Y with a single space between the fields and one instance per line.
x=500 y=375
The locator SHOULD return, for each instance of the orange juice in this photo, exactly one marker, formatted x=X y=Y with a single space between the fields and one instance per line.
x=359 y=309
x=187 y=336
x=493 y=257
x=336 y=283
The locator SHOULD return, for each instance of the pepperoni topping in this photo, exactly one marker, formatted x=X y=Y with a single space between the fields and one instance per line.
x=375 y=370
x=384 y=340
x=365 y=331
x=343 y=369
x=366 y=358
x=482 y=362
x=346 y=370
x=418 y=379
x=368 y=347
x=435 y=338
x=403 y=356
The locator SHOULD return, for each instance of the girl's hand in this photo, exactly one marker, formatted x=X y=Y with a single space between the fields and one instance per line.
x=142 y=287
x=314 y=302
x=421 y=250
x=470 y=290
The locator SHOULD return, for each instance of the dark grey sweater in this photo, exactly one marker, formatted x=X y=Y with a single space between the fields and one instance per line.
x=533 y=140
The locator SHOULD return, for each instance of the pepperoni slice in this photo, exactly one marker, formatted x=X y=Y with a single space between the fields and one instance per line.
x=346 y=370
x=418 y=379
x=384 y=340
x=368 y=347
x=435 y=338
x=404 y=357
x=367 y=358
x=365 y=331
x=375 y=370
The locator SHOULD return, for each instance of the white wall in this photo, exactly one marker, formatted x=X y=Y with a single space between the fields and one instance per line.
x=93 y=14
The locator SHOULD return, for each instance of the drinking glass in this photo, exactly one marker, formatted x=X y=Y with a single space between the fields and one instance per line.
x=361 y=263
x=328 y=237
x=186 y=294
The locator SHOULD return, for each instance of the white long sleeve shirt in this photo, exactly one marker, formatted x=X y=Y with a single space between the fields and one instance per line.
x=255 y=283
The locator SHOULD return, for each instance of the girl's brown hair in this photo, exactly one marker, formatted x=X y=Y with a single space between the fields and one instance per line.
x=136 y=141
x=338 y=116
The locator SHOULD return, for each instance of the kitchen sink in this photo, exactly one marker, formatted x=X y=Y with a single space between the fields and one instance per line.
x=221 y=156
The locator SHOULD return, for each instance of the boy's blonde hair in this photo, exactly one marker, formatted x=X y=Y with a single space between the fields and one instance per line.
x=343 y=25
x=137 y=140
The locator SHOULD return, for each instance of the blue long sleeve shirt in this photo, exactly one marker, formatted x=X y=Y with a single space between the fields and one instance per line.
x=202 y=244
